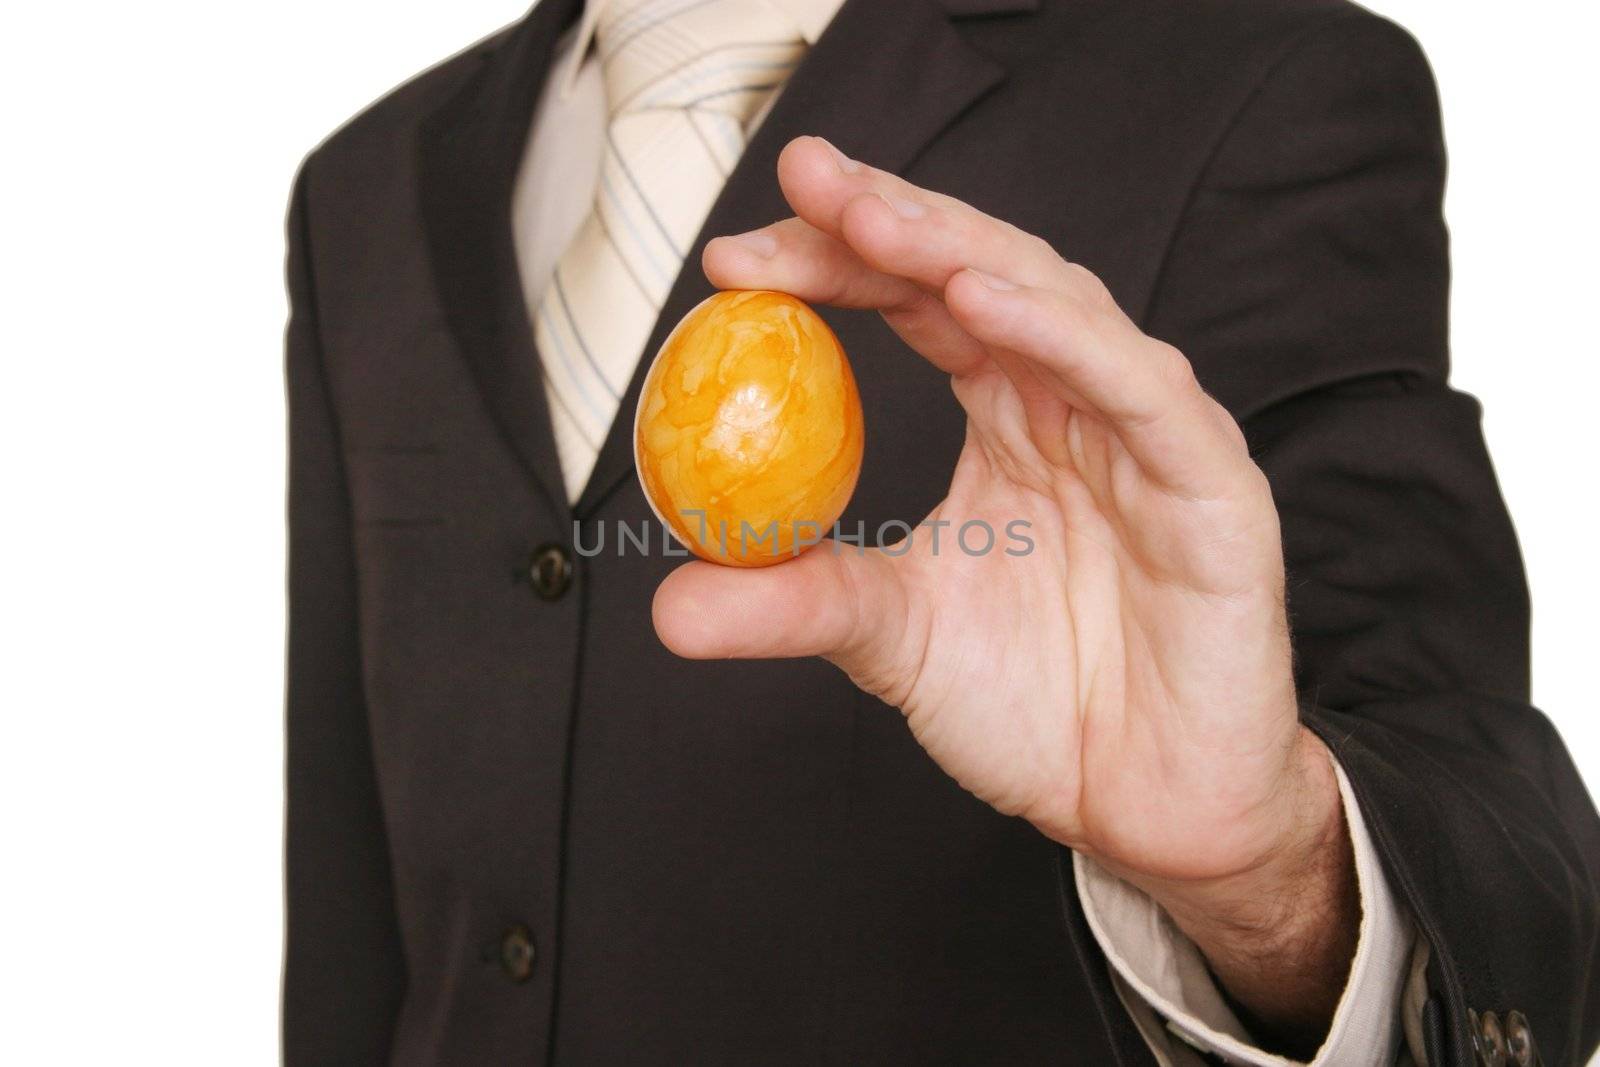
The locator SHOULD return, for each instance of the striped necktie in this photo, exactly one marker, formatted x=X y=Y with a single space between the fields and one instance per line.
x=683 y=79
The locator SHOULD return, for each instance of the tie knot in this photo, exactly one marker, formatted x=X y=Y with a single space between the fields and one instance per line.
x=725 y=56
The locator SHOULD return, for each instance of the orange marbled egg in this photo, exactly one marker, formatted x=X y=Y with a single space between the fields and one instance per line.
x=748 y=436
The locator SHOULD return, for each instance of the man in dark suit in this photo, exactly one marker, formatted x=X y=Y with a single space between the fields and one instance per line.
x=537 y=815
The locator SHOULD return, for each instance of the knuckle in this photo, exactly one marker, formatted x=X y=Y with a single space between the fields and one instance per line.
x=1229 y=425
x=1088 y=287
x=1260 y=490
x=1083 y=279
x=908 y=301
x=1038 y=247
x=1174 y=367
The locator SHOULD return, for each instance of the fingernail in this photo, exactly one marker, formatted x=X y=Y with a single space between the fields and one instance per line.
x=906 y=209
x=846 y=164
x=991 y=281
x=757 y=242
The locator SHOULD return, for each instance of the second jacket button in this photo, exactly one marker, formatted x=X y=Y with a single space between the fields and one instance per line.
x=550 y=571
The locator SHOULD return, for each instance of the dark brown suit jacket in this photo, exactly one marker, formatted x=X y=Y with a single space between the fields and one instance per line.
x=520 y=831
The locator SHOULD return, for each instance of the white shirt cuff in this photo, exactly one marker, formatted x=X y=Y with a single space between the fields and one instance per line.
x=1153 y=960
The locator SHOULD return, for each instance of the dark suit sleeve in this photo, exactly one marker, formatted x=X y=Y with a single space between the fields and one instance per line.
x=343 y=970
x=1308 y=283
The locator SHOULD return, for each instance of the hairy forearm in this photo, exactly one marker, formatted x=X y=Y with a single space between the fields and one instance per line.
x=1280 y=937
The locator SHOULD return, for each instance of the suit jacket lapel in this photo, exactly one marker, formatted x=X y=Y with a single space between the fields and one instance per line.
x=469 y=151
x=883 y=80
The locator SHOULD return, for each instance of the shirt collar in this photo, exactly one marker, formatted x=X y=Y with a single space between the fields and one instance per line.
x=810 y=17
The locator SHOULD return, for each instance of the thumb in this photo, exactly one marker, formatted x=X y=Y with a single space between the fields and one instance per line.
x=835 y=601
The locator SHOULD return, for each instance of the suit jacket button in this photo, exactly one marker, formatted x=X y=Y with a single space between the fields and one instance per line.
x=550 y=571
x=1488 y=1039
x=517 y=953
x=1519 y=1040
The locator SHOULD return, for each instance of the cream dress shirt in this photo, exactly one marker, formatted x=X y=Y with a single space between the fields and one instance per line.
x=1158 y=972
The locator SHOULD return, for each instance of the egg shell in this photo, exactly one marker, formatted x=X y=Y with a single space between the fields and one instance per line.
x=748 y=437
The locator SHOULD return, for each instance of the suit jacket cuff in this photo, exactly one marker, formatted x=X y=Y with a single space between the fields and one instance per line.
x=1154 y=964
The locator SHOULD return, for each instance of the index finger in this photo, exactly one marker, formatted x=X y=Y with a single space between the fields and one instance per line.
x=902 y=229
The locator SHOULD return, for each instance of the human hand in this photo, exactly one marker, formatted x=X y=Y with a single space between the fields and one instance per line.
x=1126 y=684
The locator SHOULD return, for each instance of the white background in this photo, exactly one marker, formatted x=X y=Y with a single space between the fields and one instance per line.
x=148 y=158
